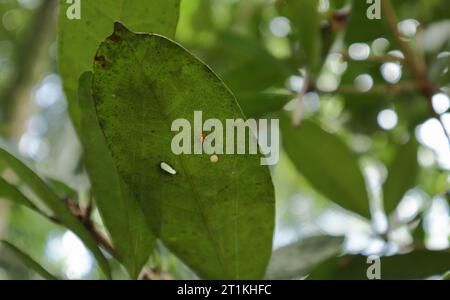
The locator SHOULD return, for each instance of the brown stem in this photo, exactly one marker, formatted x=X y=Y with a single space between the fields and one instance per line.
x=101 y=239
x=297 y=114
x=31 y=61
x=417 y=69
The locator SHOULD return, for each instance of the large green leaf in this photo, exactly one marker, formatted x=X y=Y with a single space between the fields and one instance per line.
x=78 y=39
x=213 y=215
x=415 y=265
x=28 y=261
x=305 y=19
x=298 y=259
x=327 y=163
x=47 y=196
x=402 y=174
x=121 y=214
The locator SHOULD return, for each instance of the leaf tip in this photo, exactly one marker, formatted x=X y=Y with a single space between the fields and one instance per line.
x=119 y=28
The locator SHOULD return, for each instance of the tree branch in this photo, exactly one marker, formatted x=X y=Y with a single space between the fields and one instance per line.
x=381 y=89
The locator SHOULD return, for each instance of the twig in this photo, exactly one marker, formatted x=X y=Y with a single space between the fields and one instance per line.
x=101 y=239
x=87 y=221
x=379 y=89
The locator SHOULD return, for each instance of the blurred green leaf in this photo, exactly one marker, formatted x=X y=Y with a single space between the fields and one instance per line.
x=327 y=163
x=305 y=19
x=47 y=196
x=415 y=265
x=298 y=259
x=28 y=261
x=121 y=213
x=211 y=215
x=338 y=4
x=11 y=193
x=79 y=39
x=402 y=174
